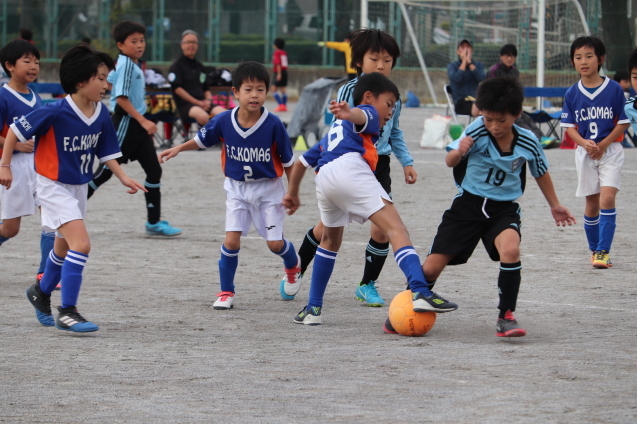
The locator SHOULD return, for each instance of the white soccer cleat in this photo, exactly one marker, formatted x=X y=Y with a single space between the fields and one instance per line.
x=225 y=301
x=291 y=283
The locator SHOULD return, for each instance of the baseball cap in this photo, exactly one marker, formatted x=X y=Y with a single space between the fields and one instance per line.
x=463 y=41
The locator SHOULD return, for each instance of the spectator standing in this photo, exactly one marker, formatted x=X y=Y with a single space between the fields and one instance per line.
x=280 y=62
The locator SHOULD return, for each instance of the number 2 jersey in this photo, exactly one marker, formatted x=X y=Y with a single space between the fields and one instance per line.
x=14 y=106
x=594 y=115
x=345 y=137
x=261 y=151
x=68 y=141
x=487 y=171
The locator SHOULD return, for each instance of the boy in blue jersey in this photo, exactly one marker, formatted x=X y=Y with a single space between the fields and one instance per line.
x=372 y=51
x=593 y=115
x=134 y=131
x=348 y=153
x=21 y=62
x=256 y=150
x=490 y=160
x=70 y=133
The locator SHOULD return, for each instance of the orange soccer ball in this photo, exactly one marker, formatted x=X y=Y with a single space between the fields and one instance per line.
x=407 y=322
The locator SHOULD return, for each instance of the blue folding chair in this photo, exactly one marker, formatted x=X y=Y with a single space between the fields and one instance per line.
x=551 y=119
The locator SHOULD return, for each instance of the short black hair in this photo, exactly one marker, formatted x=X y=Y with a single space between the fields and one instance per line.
x=509 y=50
x=589 y=41
x=500 y=95
x=279 y=43
x=621 y=75
x=632 y=60
x=15 y=50
x=80 y=64
x=26 y=34
x=86 y=40
x=376 y=83
x=364 y=40
x=124 y=29
x=250 y=71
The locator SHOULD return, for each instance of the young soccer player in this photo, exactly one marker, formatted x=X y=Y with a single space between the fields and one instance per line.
x=372 y=51
x=630 y=108
x=593 y=115
x=347 y=153
x=280 y=63
x=70 y=133
x=134 y=131
x=490 y=160
x=256 y=149
x=21 y=62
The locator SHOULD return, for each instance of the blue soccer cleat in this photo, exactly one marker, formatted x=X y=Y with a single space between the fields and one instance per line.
x=162 y=228
x=367 y=293
x=70 y=319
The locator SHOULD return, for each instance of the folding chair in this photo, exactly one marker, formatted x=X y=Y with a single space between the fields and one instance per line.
x=551 y=119
x=451 y=107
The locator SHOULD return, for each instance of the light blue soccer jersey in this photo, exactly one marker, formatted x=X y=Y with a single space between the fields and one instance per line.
x=128 y=81
x=631 y=111
x=596 y=114
x=390 y=138
x=488 y=172
x=261 y=151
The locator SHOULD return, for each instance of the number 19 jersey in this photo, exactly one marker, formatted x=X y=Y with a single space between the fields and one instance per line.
x=594 y=115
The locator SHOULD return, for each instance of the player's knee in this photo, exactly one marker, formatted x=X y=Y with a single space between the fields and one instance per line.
x=275 y=245
x=510 y=253
x=82 y=246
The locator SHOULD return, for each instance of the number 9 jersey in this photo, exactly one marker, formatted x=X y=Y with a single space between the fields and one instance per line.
x=68 y=141
x=594 y=115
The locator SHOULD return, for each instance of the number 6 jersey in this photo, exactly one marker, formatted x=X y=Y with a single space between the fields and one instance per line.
x=594 y=115
x=68 y=141
x=488 y=172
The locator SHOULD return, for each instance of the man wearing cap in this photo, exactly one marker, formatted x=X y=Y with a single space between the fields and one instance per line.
x=464 y=76
x=187 y=77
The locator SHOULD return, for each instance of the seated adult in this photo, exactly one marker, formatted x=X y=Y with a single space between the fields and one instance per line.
x=464 y=76
x=187 y=78
x=506 y=67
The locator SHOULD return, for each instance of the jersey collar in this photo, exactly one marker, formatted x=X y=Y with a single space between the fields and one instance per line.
x=29 y=103
x=78 y=112
x=247 y=133
x=594 y=94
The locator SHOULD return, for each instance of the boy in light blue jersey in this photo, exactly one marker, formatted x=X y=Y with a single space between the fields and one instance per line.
x=594 y=118
x=372 y=51
x=490 y=160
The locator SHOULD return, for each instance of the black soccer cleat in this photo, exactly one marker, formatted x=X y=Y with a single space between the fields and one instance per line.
x=433 y=303
x=42 y=304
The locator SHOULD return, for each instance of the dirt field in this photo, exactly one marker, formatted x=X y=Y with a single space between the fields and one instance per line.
x=164 y=355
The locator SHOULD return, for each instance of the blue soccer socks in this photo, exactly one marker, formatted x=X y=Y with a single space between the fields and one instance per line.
x=47 y=239
x=277 y=97
x=607 y=225
x=288 y=253
x=591 y=228
x=227 y=268
x=52 y=273
x=72 y=269
x=409 y=262
x=321 y=272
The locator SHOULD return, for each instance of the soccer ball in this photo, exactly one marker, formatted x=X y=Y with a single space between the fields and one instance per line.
x=407 y=322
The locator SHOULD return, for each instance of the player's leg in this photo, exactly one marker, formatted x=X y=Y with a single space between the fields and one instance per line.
x=389 y=222
x=507 y=243
x=47 y=239
x=9 y=227
x=103 y=174
x=609 y=179
x=591 y=223
x=375 y=255
x=198 y=114
x=308 y=246
x=228 y=263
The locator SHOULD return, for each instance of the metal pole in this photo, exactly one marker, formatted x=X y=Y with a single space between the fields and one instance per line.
x=364 y=14
x=541 y=16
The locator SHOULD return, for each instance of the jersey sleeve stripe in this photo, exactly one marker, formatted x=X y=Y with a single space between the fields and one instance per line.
x=346 y=93
x=534 y=148
x=109 y=157
x=128 y=78
x=304 y=162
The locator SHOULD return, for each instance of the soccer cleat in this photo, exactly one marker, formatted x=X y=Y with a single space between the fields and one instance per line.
x=310 y=315
x=388 y=328
x=508 y=327
x=291 y=282
x=601 y=260
x=281 y=108
x=69 y=319
x=162 y=228
x=368 y=293
x=433 y=303
x=225 y=301
x=42 y=304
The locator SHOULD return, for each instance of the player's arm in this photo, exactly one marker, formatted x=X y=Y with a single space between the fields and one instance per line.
x=174 y=151
x=6 y=177
x=124 y=103
x=610 y=139
x=133 y=185
x=454 y=156
x=341 y=110
x=399 y=149
x=560 y=213
x=291 y=199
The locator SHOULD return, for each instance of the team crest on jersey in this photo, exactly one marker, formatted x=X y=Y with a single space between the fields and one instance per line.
x=486 y=153
x=203 y=132
x=517 y=164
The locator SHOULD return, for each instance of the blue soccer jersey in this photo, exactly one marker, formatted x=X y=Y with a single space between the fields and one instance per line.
x=248 y=154
x=488 y=172
x=128 y=81
x=596 y=114
x=67 y=141
x=346 y=137
x=14 y=106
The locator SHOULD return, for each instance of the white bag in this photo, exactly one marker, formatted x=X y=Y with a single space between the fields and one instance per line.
x=436 y=134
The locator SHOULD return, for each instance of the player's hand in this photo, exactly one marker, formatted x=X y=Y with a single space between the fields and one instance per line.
x=465 y=145
x=133 y=185
x=291 y=203
x=167 y=154
x=149 y=126
x=27 y=147
x=410 y=174
x=340 y=110
x=6 y=177
x=562 y=216
x=590 y=146
x=597 y=155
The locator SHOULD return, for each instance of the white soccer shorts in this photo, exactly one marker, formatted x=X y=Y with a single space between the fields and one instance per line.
x=255 y=202
x=347 y=191
x=61 y=203
x=20 y=200
x=593 y=174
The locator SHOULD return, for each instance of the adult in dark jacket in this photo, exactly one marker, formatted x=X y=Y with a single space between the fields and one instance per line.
x=464 y=76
